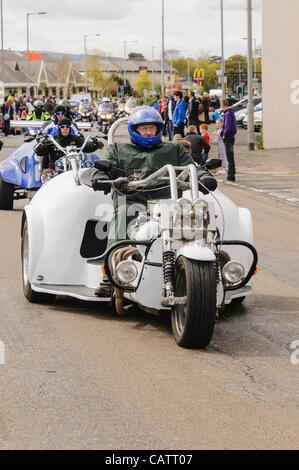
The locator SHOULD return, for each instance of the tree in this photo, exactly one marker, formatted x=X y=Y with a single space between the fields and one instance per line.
x=94 y=75
x=136 y=56
x=143 y=82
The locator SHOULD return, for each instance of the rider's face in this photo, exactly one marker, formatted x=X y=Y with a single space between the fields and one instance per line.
x=60 y=115
x=65 y=131
x=149 y=130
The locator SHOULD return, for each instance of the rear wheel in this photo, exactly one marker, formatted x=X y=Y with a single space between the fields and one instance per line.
x=193 y=322
x=31 y=295
x=6 y=195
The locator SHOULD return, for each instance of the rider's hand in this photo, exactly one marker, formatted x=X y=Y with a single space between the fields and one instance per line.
x=97 y=143
x=121 y=184
x=99 y=184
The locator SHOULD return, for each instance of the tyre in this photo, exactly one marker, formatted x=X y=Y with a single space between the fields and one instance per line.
x=6 y=195
x=238 y=300
x=31 y=295
x=193 y=322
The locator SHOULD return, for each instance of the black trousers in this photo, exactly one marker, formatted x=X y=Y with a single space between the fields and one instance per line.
x=179 y=129
x=229 y=148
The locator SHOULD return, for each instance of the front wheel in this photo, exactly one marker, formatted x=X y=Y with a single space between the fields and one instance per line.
x=31 y=295
x=193 y=322
x=6 y=195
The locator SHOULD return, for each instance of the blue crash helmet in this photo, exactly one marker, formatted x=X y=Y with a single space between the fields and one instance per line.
x=145 y=115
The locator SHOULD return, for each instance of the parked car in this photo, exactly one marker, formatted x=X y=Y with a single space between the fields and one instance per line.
x=258 y=118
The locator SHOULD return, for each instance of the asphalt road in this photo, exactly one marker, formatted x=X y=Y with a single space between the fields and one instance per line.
x=76 y=376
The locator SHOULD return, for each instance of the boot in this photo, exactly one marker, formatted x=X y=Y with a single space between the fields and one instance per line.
x=104 y=289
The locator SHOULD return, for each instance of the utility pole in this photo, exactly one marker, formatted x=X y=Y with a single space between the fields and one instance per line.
x=163 y=63
x=222 y=53
x=2 y=53
x=250 y=121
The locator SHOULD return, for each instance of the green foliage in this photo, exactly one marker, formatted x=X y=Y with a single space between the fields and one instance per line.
x=136 y=56
x=143 y=82
x=260 y=142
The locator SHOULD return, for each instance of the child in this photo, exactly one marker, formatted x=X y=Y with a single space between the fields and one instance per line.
x=204 y=133
x=221 y=147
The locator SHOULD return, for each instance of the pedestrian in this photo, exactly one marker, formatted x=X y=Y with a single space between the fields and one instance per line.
x=169 y=110
x=198 y=144
x=179 y=115
x=228 y=133
x=204 y=134
x=155 y=103
x=201 y=112
x=207 y=103
x=192 y=111
x=8 y=115
x=218 y=140
x=162 y=112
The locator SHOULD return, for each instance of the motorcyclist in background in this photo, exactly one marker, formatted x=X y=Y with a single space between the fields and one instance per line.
x=50 y=153
x=59 y=113
x=68 y=113
x=146 y=153
x=38 y=113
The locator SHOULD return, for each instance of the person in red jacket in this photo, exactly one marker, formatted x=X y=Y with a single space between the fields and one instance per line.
x=204 y=134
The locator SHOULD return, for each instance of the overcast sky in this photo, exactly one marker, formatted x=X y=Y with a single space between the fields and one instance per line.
x=191 y=26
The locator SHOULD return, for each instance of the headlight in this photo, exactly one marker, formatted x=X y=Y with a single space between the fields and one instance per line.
x=126 y=272
x=108 y=116
x=103 y=116
x=32 y=131
x=59 y=164
x=233 y=272
x=88 y=164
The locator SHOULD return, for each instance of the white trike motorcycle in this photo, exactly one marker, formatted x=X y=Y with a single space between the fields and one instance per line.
x=189 y=255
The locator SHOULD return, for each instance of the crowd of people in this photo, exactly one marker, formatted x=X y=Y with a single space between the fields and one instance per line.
x=17 y=107
x=187 y=119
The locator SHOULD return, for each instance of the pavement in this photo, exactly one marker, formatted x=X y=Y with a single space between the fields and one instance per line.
x=273 y=173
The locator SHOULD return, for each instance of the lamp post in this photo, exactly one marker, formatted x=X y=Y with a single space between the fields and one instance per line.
x=153 y=48
x=2 y=54
x=255 y=65
x=162 y=57
x=28 y=61
x=85 y=58
x=222 y=53
x=250 y=121
x=125 y=57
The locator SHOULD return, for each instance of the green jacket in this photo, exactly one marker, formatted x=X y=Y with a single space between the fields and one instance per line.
x=128 y=157
x=44 y=117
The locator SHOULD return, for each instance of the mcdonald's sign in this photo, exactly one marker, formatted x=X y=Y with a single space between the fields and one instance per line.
x=198 y=75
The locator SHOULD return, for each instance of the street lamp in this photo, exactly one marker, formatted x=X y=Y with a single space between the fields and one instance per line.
x=255 y=67
x=85 y=58
x=28 y=61
x=2 y=53
x=250 y=120
x=125 y=57
x=222 y=53
x=163 y=57
x=153 y=47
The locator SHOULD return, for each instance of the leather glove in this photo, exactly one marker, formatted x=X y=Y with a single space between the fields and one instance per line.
x=121 y=184
x=209 y=182
x=97 y=144
x=98 y=183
